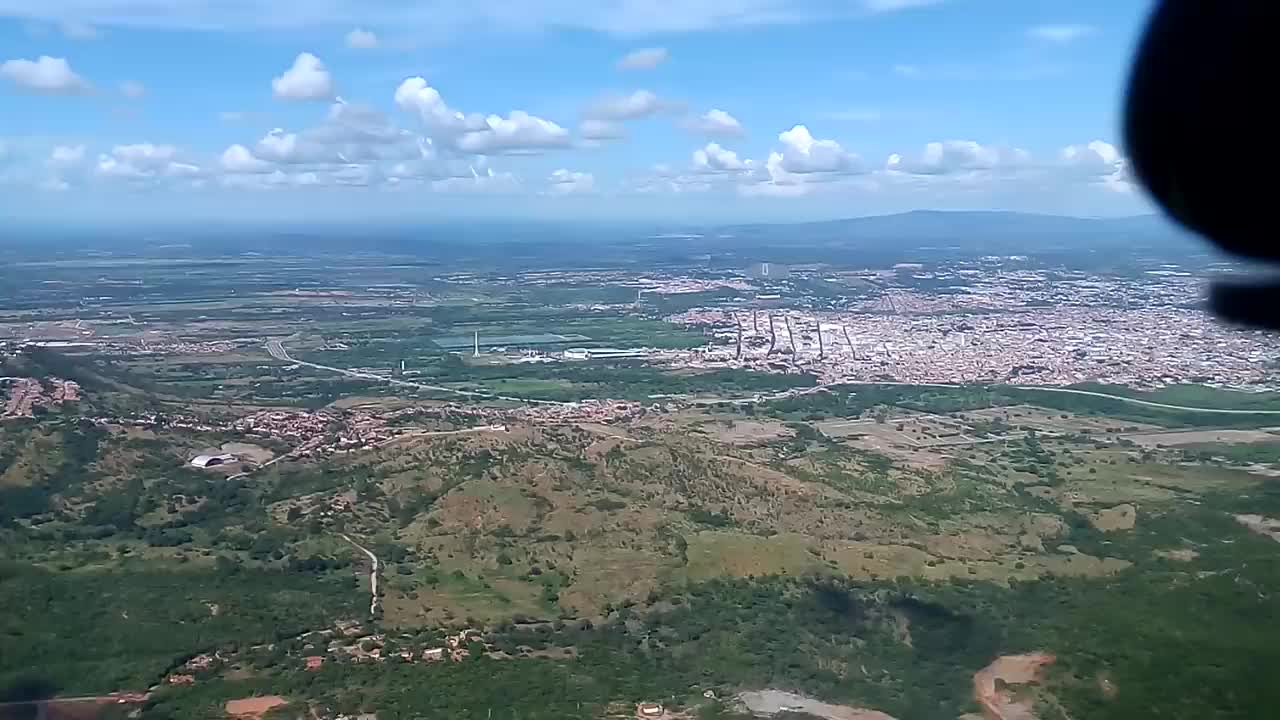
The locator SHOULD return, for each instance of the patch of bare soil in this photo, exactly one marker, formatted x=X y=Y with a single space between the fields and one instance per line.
x=253 y=707
x=1261 y=525
x=1192 y=437
x=248 y=451
x=776 y=482
x=1107 y=686
x=373 y=403
x=53 y=710
x=1038 y=527
x=746 y=432
x=1183 y=555
x=1120 y=517
x=775 y=702
x=991 y=685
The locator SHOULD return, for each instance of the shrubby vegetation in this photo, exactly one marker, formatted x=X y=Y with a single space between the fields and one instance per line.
x=1175 y=641
x=89 y=631
x=856 y=400
x=113 y=590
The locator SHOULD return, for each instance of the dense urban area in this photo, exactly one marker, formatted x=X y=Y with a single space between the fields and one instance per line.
x=738 y=478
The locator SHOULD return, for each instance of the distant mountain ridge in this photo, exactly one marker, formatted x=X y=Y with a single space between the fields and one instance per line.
x=981 y=227
x=877 y=238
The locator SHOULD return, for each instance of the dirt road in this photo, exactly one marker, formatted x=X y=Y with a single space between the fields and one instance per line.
x=776 y=702
x=373 y=573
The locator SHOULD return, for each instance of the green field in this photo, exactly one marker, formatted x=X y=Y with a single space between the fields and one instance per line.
x=453 y=342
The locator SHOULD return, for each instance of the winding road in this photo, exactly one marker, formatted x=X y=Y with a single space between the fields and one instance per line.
x=278 y=351
x=1148 y=403
x=1036 y=388
x=442 y=433
x=373 y=573
x=42 y=708
x=263 y=466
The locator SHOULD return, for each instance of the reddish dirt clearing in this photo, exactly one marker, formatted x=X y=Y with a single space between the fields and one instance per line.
x=254 y=707
x=990 y=685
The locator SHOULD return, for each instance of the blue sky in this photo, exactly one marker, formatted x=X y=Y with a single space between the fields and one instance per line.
x=688 y=110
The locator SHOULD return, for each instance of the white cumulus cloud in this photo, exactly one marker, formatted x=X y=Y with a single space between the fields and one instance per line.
x=273 y=180
x=803 y=163
x=643 y=59
x=350 y=135
x=479 y=181
x=1098 y=156
x=804 y=154
x=1060 y=34
x=518 y=132
x=566 y=182
x=716 y=122
x=143 y=161
x=715 y=159
x=307 y=79
x=955 y=156
x=66 y=156
x=472 y=133
x=360 y=128
x=641 y=103
x=46 y=75
x=361 y=39
x=286 y=147
x=416 y=96
x=145 y=154
x=109 y=166
x=1100 y=162
x=237 y=159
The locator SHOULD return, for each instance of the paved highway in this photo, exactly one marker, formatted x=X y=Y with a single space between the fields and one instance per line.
x=1148 y=403
x=1041 y=388
x=279 y=352
x=1073 y=391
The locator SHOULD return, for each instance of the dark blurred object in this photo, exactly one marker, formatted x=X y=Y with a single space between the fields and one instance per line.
x=1196 y=115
